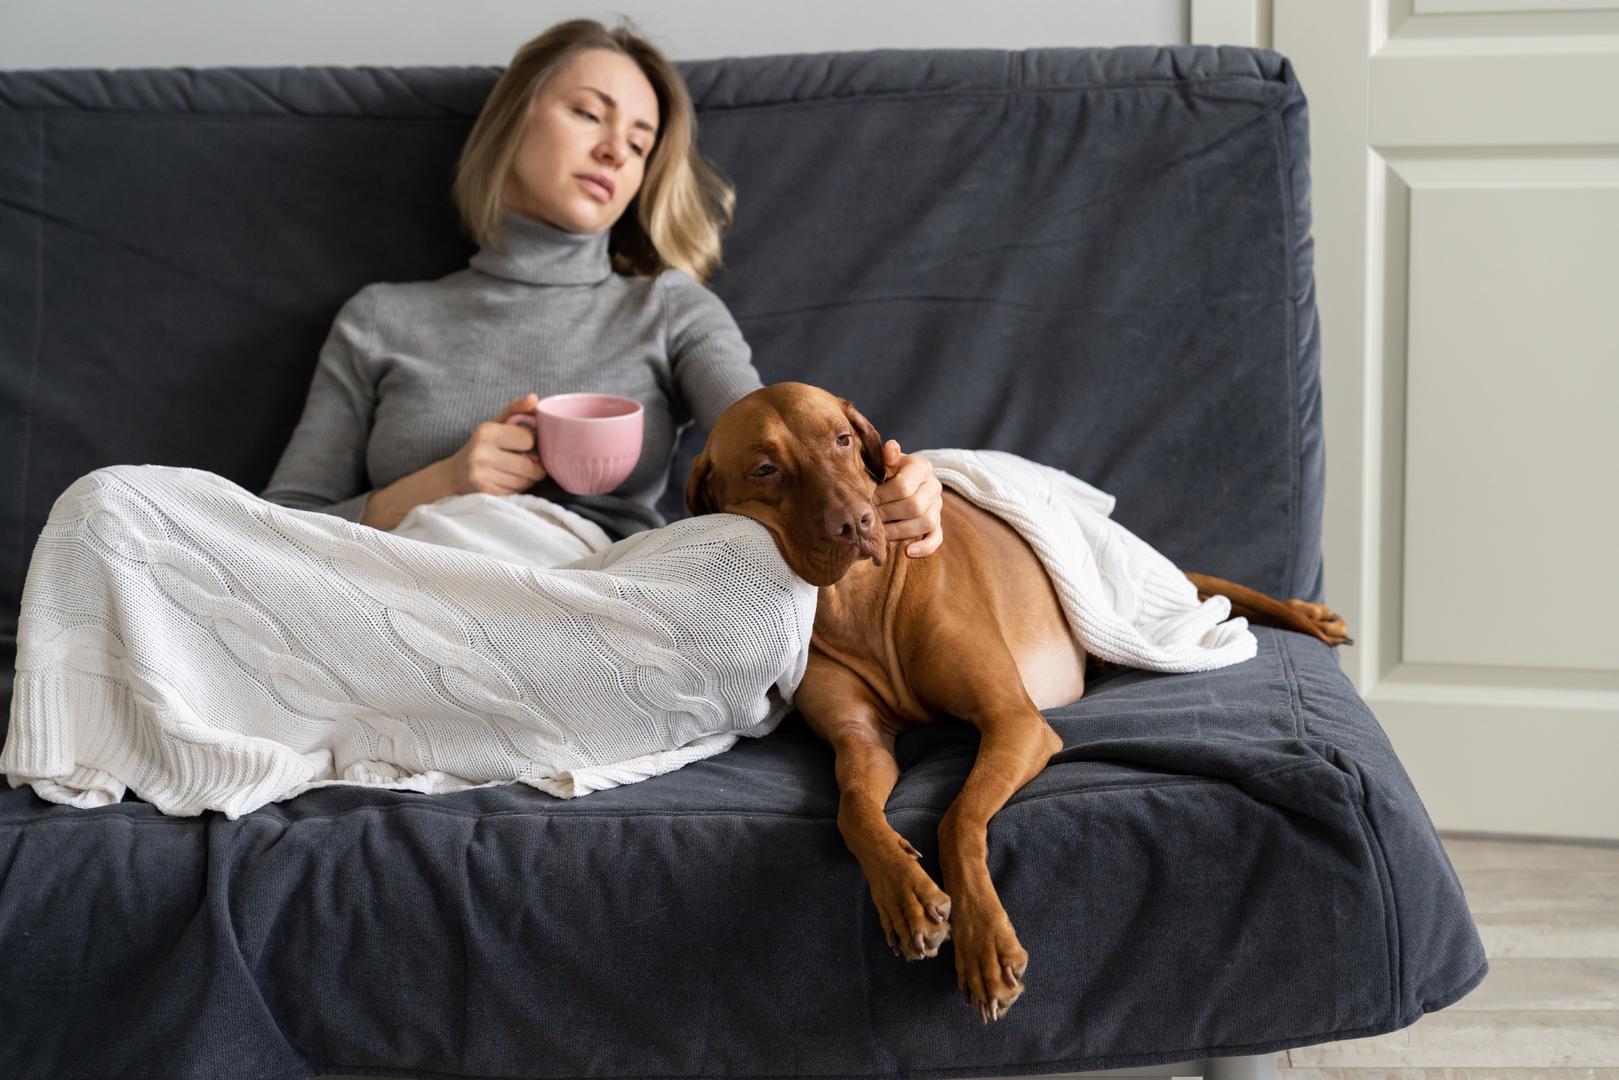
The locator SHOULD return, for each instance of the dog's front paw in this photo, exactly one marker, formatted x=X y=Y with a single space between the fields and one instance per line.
x=990 y=964
x=915 y=912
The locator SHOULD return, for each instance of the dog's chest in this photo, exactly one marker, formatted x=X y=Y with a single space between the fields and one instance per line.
x=855 y=626
x=988 y=593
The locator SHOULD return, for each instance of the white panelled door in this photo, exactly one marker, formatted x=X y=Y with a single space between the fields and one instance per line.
x=1465 y=170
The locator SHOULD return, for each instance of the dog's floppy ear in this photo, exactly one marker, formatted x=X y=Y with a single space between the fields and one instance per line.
x=871 y=443
x=699 y=499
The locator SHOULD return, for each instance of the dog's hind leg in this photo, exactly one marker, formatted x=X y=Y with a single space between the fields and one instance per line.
x=1317 y=620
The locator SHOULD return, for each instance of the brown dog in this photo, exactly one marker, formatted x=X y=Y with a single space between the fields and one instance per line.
x=900 y=642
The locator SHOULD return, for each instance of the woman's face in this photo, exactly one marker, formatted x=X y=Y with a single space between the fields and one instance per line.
x=585 y=144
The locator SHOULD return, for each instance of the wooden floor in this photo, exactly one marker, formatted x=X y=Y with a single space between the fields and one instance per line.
x=1549 y=1008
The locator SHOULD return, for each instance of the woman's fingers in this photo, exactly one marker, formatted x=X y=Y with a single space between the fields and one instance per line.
x=928 y=544
x=911 y=502
x=900 y=506
x=928 y=531
x=907 y=474
x=892 y=456
x=513 y=437
x=916 y=517
x=515 y=472
x=526 y=403
x=497 y=457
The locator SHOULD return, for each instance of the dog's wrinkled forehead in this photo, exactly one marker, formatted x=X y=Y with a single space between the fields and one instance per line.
x=778 y=421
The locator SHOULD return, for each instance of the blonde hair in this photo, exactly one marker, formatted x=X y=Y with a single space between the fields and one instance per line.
x=684 y=207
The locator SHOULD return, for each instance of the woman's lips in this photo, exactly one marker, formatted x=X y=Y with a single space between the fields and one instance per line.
x=597 y=191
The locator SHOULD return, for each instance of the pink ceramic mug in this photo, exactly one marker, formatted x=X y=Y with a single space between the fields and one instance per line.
x=589 y=443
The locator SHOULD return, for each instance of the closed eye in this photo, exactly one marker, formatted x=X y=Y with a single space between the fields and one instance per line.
x=640 y=151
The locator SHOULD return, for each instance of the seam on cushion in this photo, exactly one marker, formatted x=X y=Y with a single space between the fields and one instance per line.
x=1130 y=785
x=1391 y=915
x=930 y=95
x=125 y=115
x=89 y=817
x=1179 y=83
x=468 y=990
x=1301 y=731
x=217 y=895
x=33 y=374
x=1294 y=437
x=1295 y=699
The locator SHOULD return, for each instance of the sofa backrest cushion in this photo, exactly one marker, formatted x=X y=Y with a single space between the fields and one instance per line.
x=1096 y=258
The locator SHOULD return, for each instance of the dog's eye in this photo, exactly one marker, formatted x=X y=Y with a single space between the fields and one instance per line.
x=763 y=471
x=845 y=439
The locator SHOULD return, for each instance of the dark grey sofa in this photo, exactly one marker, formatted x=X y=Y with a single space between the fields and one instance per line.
x=1099 y=259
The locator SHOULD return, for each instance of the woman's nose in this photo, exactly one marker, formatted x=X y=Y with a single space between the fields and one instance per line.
x=608 y=150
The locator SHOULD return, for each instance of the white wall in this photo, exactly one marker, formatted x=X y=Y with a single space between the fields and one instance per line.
x=202 y=33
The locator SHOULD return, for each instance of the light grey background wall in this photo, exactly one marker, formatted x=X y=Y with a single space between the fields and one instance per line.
x=205 y=33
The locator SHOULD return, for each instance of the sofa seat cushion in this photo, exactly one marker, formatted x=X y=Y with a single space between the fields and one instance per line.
x=1217 y=863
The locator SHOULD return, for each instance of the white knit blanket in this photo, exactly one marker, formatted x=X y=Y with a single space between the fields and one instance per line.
x=1124 y=600
x=210 y=650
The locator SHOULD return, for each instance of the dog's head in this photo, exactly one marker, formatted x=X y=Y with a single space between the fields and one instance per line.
x=805 y=464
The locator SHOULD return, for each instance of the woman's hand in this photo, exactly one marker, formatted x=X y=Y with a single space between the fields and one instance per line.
x=910 y=501
x=495 y=459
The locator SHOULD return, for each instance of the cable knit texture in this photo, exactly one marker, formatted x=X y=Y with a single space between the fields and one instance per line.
x=211 y=650
x=409 y=369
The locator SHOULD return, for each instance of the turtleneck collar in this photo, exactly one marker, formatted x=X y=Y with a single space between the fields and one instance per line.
x=538 y=253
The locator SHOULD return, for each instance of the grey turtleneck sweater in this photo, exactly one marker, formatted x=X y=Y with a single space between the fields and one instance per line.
x=410 y=369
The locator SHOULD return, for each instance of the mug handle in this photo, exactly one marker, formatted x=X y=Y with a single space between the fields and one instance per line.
x=532 y=422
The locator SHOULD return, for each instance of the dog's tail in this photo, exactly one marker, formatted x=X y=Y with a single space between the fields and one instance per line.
x=1317 y=620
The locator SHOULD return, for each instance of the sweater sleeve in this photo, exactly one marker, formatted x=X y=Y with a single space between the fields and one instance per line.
x=323 y=467
x=711 y=363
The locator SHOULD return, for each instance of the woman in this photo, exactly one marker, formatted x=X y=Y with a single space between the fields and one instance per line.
x=216 y=652
x=598 y=221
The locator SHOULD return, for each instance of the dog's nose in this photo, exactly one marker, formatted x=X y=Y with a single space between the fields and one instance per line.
x=843 y=523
